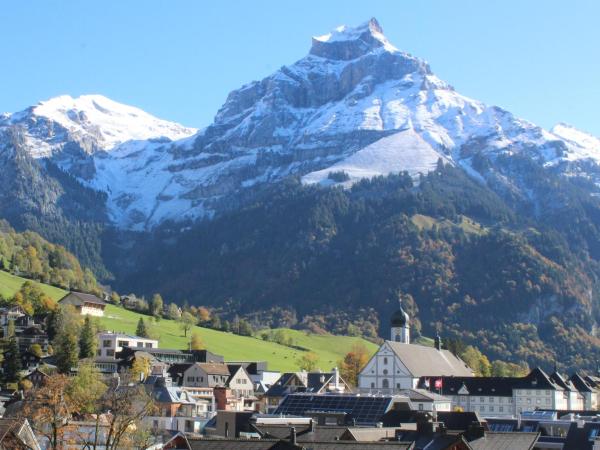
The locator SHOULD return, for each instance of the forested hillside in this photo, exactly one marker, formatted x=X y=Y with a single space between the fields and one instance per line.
x=29 y=255
x=461 y=258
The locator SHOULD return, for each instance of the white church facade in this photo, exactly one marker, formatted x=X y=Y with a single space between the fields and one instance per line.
x=398 y=364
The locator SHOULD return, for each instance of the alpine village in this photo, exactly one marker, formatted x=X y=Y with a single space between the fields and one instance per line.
x=306 y=273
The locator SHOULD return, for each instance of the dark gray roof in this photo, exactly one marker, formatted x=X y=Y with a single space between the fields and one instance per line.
x=303 y=432
x=494 y=386
x=78 y=298
x=270 y=444
x=581 y=384
x=505 y=441
x=582 y=438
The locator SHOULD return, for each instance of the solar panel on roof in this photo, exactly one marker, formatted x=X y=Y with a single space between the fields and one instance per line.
x=362 y=410
x=501 y=426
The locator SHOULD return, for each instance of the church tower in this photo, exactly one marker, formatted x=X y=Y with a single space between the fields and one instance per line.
x=400 y=326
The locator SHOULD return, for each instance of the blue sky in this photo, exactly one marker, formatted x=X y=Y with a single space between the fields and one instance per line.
x=179 y=59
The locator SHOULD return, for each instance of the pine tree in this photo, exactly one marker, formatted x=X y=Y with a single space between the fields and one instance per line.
x=87 y=340
x=66 y=350
x=141 y=330
x=12 y=364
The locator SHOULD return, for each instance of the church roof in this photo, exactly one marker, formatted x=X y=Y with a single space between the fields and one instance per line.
x=429 y=361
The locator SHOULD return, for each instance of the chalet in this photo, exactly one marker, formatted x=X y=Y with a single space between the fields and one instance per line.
x=206 y=375
x=17 y=316
x=85 y=304
x=37 y=377
x=398 y=364
x=30 y=336
x=178 y=408
x=239 y=381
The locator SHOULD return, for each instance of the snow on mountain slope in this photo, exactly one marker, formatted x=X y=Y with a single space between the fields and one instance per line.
x=355 y=103
x=402 y=151
x=97 y=122
x=581 y=145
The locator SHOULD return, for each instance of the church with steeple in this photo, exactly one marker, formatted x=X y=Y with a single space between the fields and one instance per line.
x=399 y=364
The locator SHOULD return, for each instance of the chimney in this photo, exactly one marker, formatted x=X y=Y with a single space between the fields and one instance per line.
x=293 y=435
x=476 y=430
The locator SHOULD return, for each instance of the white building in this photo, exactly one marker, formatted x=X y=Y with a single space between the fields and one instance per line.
x=398 y=364
x=109 y=344
x=507 y=396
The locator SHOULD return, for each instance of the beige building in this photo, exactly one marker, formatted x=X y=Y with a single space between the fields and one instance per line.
x=85 y=304
x=206 y=375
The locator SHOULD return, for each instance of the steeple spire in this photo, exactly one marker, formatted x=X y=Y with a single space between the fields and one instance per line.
x=400 y=323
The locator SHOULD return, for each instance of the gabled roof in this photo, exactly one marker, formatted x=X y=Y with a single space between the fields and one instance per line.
x=580 y=384
x=213 y=368
x=563 y=382
x=79 y=298
x=504 y=441
x=495 y=386
x=429 y=361
x=280 y=387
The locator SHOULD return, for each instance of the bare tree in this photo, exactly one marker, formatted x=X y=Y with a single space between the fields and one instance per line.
x=126 y=404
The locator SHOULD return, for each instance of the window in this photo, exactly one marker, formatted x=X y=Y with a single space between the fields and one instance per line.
x=492 y=408
x=385 y=371
x=385 y=360
x=123 y=343
x=397 y=385
x=482 y=408
x=501 y=408
x=385 y=383
x=110 y=353
x=140 y=344
x=482 y=399
x=106 y=343
x=491 y=399
x=372 y=385
x=148 y=344
x=420 y=406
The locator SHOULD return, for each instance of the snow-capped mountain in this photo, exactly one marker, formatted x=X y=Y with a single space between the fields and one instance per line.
x=354 y=104
x=69 y=129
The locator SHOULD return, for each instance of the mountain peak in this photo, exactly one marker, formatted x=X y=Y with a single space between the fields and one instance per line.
x=346 y=43
x=109 y=122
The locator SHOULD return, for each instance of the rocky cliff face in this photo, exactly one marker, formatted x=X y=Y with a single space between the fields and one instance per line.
x=355 y=106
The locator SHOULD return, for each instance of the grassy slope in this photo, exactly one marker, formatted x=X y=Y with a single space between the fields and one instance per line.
x=9 y=284
x=237 y=348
